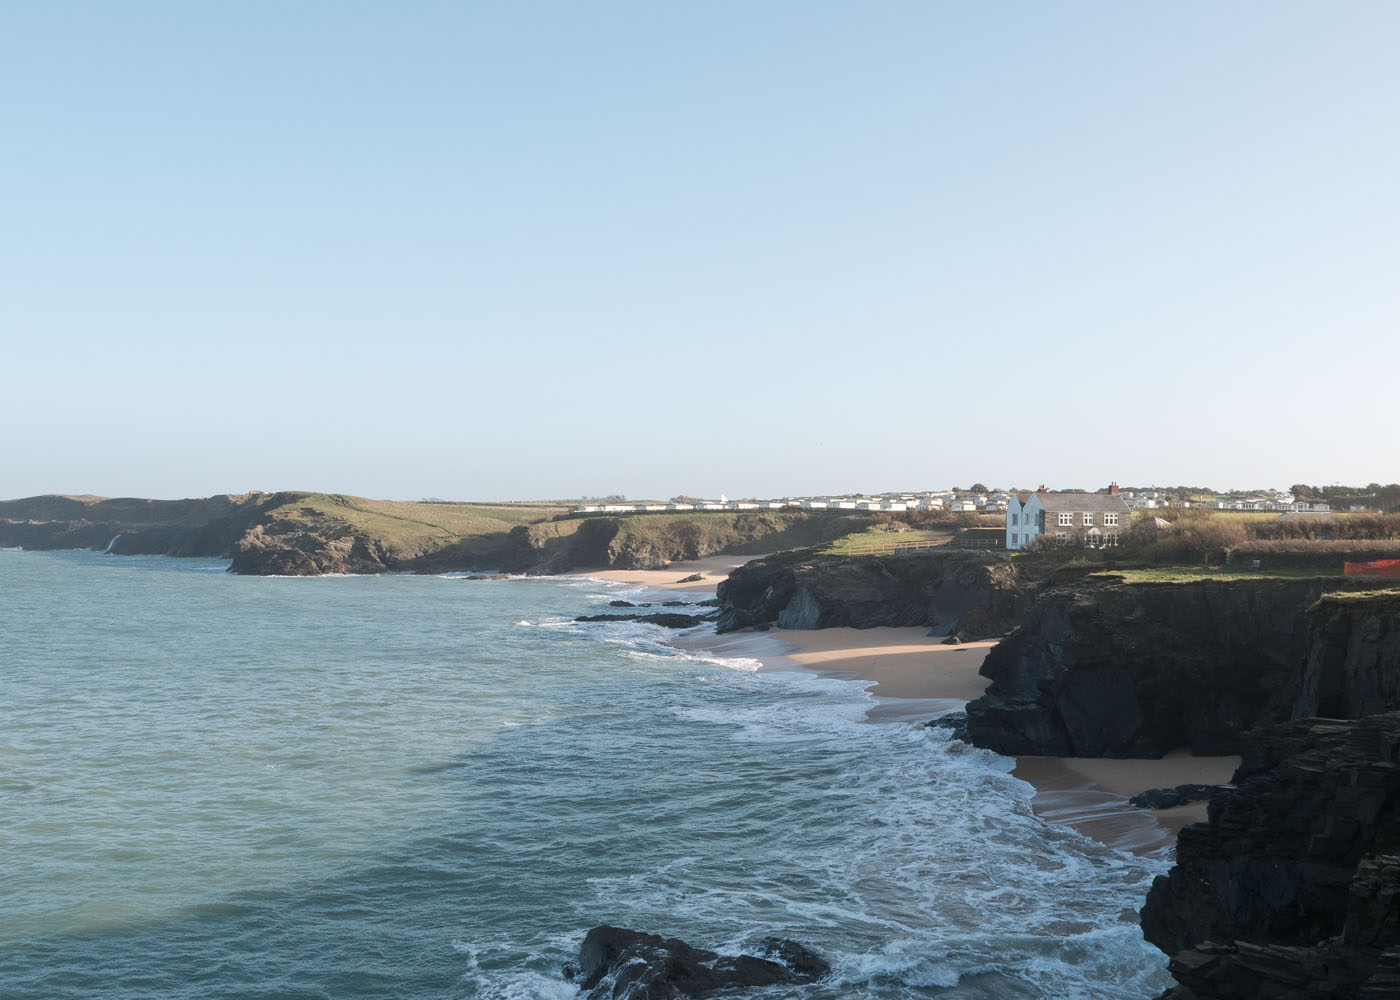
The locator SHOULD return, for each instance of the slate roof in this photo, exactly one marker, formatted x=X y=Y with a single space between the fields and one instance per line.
x=1098 y=503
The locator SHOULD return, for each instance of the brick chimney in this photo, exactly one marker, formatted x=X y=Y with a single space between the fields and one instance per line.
x=1113 y=489
x=1042 y=489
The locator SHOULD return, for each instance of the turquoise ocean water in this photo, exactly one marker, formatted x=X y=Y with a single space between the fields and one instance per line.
x=427 y=787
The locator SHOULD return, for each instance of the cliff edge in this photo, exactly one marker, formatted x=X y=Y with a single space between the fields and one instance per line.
x=968 y=594
x=1136 y=670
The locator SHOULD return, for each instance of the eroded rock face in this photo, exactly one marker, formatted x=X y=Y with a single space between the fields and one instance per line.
x=616 y=963
x=1353 y=656
x=1292 y=888
x=1136 y=671
x=945 y=591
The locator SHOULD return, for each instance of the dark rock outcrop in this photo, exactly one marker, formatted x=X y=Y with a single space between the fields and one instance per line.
x=975 y=595
x=207 y=527
x=1166 y=798
x=1353 y=666
x=1291 y=890
x=664 y=619
x=1138 y=670
x=614 y=963
x=954 y=722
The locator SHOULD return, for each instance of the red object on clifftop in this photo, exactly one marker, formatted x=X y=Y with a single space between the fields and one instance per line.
x=1376 y=567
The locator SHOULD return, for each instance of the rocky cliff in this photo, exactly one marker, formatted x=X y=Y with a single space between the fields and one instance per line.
x=1353 y=665
x=970 y=594
x=1291 y=890
x=132 y=526
x=305 y=534
x=1138 y=670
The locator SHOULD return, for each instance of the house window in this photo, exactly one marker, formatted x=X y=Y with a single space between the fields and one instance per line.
x=1062 y=537
x=1110 y=519
x=1066 y=520
x=1014 y=520
x=1015 y=539
x=1110 y=539
x=1088 y=519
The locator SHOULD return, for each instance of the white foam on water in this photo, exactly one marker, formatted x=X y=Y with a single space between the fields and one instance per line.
x=929 y=845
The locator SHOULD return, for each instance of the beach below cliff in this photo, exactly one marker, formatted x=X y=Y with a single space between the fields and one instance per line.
x=699 y=575
x=915 y=675
x=916 y=678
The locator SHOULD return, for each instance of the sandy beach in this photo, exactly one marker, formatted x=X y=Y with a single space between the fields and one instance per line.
x=923 y=678
x=711 y=571
x=917 y=678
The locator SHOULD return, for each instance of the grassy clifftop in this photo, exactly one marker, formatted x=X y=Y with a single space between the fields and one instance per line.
x=302 y=533
x=652 y=541
x=311 y=533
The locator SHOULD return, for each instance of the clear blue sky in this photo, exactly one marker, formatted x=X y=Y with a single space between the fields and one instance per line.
x=516 y=250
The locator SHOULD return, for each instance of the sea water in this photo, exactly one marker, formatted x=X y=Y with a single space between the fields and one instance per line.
x=422 y=787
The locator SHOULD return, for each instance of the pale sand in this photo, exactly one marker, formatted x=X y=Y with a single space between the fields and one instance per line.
x=1090 y=794
x=928 y=678
x=903 y=662
x=713 y=569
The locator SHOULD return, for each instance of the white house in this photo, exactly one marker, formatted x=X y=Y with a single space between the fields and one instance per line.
x=1095 y=520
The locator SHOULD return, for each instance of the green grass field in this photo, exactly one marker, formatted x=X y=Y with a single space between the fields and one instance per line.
x=878 y=539
x=1192 y=574
x=407 y=525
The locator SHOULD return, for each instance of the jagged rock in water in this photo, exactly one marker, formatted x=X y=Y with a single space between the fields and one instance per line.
x=666 y=620
x=955 y=722
x=1291 y=890
x=614 y=963
x=621 y=604
x=1166 y=798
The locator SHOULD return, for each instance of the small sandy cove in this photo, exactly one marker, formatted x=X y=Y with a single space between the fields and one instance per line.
x=711 y=570
x=917 y=677
x=1087 y=793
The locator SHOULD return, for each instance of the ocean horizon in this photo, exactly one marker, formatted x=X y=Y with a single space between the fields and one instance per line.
x=431 y=786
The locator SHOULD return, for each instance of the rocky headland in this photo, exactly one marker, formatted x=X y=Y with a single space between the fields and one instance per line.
x=967 y=594
x=1101 y=669
x=308 y=534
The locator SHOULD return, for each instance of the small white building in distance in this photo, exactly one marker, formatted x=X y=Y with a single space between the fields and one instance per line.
x=1095 y=520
